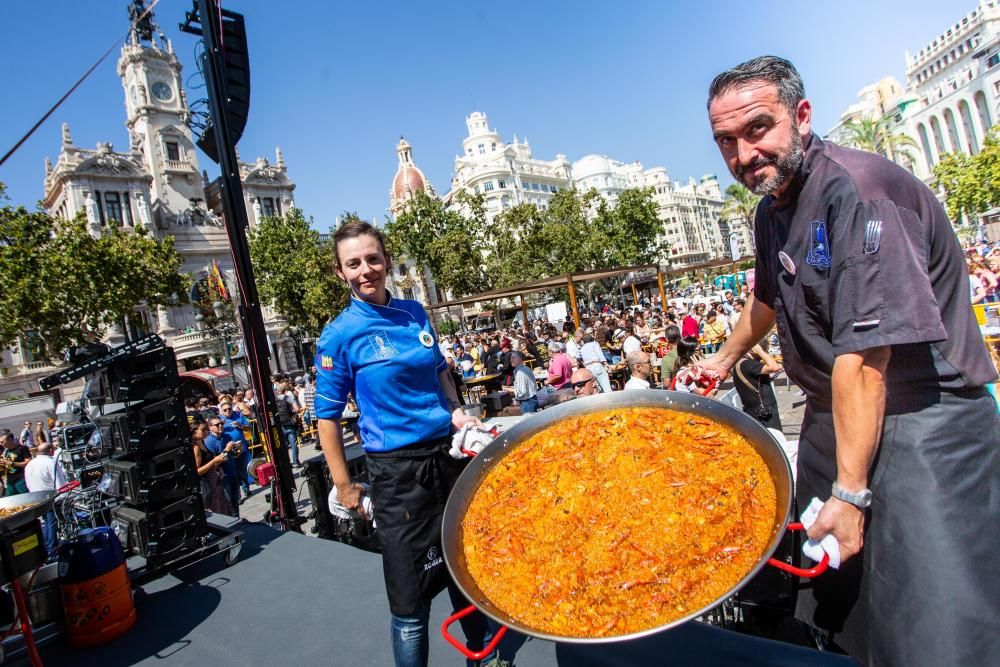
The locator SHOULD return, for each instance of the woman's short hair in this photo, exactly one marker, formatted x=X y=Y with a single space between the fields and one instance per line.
x=353 y=229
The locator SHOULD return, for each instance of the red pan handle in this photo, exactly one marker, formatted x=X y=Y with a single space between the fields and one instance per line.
x=809 y=573
x=471 y=655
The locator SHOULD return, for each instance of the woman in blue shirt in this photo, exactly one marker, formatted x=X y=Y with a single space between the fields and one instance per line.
x=384 y=352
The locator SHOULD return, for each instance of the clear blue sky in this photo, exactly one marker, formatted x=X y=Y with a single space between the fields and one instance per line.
x=335 y=83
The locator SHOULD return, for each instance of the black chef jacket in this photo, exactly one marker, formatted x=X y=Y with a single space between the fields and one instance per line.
x=870 y=259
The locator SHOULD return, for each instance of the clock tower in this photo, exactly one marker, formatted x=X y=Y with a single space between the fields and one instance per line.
x=156 y=116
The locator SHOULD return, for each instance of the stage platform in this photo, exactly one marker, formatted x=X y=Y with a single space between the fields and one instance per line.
x=298 y=600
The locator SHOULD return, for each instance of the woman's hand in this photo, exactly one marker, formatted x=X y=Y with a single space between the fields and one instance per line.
x=349 y=495
x=220 y=459
x=460 y=419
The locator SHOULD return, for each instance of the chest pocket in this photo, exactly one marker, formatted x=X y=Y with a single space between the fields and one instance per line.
x=816 y=304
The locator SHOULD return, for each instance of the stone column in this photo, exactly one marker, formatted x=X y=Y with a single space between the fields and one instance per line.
x=165 y=325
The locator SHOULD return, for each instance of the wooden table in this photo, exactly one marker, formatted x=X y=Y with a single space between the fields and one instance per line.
x=481 y=385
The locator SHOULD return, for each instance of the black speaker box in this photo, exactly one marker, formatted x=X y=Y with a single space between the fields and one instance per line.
x=159 y=478
x=145 y=377
x=148 y=428
x=165 y=531
x=76 y=436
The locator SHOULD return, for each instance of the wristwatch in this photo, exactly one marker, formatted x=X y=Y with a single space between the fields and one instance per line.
x=860 y=499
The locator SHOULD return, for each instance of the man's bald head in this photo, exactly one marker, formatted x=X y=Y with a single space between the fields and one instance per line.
x=638 y=363
x=584 y=382
x=43 y=449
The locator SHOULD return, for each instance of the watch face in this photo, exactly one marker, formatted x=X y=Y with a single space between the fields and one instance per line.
x=162 y=91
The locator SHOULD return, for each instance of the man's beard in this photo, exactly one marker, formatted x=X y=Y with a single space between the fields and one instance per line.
x=785 y=166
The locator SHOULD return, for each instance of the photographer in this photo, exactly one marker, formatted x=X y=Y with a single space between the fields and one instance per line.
x=752 y=379
x=228 y=441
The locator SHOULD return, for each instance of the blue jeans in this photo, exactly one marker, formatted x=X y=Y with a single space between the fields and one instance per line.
x=529 y=405
x=293 y=443
x=50 y=532
x=410 y=633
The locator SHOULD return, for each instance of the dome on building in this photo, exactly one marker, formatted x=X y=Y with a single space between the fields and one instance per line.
x=408 y=179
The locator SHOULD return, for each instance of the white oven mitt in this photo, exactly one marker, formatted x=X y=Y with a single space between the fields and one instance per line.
x=469 y=441
x=828 y=544
x=338 y=510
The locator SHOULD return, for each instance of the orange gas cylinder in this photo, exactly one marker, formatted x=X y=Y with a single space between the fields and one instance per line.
x=96 y=590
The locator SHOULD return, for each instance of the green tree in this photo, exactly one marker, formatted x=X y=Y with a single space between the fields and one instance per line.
x=294 y=271
x=628 y=233
x=971 y=183
x=67 y=287
x=876 y=136
x=740 y=203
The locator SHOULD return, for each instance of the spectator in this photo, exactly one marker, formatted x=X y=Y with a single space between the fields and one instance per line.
x=286 y=414
x=27 y=437
x=524 y=384
x=714 y=332
x=16 y=457
x=584 y=382
x=593 y=360
x=44 y=473
x=631 y=343
x=752 y=380
x=987 y=279
x=734 y=316
x=310 y=400
x=640 y=328
x=209 y=467
x=560 y=367
x=689 y=325
x=641 y=369
x=464 y=361
x=232 y=419
x=40 y=435
x=227 y=442
x=668 y=355
x=574 y=346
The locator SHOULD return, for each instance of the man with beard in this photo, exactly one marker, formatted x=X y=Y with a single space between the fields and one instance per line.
x=900 y=437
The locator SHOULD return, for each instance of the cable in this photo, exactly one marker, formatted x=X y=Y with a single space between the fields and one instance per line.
x=75 y=85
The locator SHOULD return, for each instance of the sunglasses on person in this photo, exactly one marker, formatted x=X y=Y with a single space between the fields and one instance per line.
x=582 y=383
x=216 y=424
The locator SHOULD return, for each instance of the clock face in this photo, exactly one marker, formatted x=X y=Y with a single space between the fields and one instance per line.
x=162 y=91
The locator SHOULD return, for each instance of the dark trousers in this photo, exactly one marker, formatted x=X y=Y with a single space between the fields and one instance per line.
x=923 y=590
x=231 y=485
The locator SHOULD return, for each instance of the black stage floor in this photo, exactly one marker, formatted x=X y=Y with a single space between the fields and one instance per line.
x=297 y=600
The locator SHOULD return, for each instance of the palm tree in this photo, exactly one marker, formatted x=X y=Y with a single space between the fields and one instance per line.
x=876 y=136
x=740 y=203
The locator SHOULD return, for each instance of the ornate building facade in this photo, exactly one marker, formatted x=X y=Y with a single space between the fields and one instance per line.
x=156 y=185
x=508 y=175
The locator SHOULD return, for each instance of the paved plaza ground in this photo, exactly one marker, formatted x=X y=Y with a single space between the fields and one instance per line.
x=790 y=401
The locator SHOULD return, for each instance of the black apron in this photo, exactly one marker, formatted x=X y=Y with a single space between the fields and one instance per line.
x=925 y=589
x=410 y=488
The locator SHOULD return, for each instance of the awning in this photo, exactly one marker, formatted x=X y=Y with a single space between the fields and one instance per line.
x=206 y=374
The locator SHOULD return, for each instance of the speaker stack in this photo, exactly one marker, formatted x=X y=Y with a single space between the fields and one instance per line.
x=152 y=468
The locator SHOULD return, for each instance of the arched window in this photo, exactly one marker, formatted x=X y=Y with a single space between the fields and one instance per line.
x=984 y=111
x=938 y=136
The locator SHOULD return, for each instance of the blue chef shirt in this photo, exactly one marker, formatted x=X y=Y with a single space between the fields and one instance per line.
x=388 y=358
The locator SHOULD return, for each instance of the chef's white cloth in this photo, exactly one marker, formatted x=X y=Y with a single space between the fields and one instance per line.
x=338 y=510
x=470 y=438
x=828 y=544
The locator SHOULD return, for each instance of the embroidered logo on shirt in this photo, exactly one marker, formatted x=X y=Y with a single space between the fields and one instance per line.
x=873 y=236
x=426 y=339
x=382 y=346
x=819 y=252
x=326 y=362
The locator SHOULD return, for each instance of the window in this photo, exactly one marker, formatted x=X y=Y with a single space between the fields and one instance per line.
x=128 y=210
x=502 y=184
x=113 y=208
x=534 y=186
x=552 y=188
x=482 y=149
x=494 y=145
x=100 y=209
x=267 y=206
x=993 y=60
x=476 y=189
x=487 y=186
x=173 y=150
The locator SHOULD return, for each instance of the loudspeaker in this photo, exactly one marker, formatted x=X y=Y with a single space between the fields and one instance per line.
x=159 y=478
x=160 y=533
x=148 y=428
x=76 y=436
x=144 y=377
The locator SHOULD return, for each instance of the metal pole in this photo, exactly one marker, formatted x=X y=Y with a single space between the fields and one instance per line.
x=572 y=301
x=235 y=217
x=663 y=294
x=524 y=312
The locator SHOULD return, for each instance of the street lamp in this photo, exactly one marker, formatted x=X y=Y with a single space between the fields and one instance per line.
x=223 y=329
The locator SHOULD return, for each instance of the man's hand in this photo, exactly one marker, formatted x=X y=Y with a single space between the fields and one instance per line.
x=349 y=495
x=845 y=522
x=460 y=419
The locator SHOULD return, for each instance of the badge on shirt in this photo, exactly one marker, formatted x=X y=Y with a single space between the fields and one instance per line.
x=819 y=251
x=382 y=346
x=426 y=339
x=786 y=262
x=326 y=362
